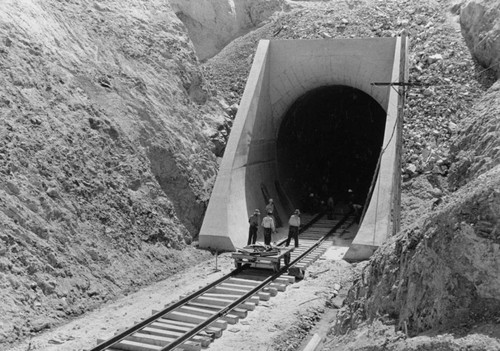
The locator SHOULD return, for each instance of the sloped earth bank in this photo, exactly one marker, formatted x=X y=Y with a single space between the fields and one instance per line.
x=438 y=121
x=105 y=158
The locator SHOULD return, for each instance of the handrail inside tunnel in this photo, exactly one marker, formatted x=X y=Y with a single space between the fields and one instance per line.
x=323 y=88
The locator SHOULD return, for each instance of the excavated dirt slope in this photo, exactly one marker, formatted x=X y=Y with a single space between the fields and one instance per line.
x=106 y=162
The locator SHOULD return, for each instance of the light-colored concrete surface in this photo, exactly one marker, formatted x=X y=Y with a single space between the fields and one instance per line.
x=282 y=72
x=377 y=222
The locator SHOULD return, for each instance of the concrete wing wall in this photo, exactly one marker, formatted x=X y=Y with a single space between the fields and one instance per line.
x=377 y=222
x=226 y=221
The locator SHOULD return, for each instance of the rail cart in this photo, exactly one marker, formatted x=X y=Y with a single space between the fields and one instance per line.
x=270 y=259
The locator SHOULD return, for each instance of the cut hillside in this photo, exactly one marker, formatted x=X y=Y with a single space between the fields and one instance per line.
x=437 y=281
x=106 y=160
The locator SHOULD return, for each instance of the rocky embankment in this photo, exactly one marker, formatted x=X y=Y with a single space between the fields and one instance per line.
x=480 y=22
x=106 y=161
x=440 y=274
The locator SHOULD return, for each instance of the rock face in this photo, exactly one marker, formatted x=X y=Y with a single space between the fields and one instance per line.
x=212 y=24
x=476 y=148
x=480 y=22
x=106 y=162
x=441 y=272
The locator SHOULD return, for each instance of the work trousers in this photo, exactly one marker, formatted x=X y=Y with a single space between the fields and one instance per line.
x=267 y=235
x=293 y=232
x=252 y=234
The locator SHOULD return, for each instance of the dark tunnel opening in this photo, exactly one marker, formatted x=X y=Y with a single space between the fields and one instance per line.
x=329 y=143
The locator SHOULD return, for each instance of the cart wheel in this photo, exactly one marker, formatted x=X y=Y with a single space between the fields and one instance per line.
x=287 y=259
x=277 y=266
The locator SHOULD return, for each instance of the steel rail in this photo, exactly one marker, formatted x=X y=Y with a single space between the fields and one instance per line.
x=121 y=336
x=244 y=297
x=317 y=243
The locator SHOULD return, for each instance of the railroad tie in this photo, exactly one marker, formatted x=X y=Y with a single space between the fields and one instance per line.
x=226 y=290
x=145 y=342
x=250 y=306
x=285 y=279
x=252 y=299
x=273 y=291
x=159 y=330
x=240 y=281
x=162 y=341
x=185 y=327
x=278 y=286
x=207 y=313
x=190 y=318
x=127 y=345
x=264 y=296
x=239 y=312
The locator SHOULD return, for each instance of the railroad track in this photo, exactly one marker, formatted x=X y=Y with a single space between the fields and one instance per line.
x=194 y=321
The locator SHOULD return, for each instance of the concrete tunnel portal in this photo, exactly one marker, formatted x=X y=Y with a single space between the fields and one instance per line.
x=329 y=142
x=311 y=119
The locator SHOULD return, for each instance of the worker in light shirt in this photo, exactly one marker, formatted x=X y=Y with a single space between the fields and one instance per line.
x=293 y=228
x=269 y=228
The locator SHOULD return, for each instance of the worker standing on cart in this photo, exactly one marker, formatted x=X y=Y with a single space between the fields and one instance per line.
x=269 y=228
x=293 y=228
x=254 y=221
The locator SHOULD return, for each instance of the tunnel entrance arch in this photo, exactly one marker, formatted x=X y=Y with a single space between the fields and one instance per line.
x=328 y=142
x=284 y=74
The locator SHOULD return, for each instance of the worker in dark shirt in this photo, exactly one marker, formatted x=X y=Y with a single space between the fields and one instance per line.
x=293 y=228
x=254 y=221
